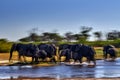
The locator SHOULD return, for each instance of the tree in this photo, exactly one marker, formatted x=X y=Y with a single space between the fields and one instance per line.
x=84 y=33
x=68 y=36
x=76 y=37
x=3 y=40
x=32 y=36
x=25 y=39
x=51 y=37
x=113 y=35
x=98 y=35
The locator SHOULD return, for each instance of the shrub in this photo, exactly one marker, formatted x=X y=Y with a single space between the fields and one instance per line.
x=5 y=46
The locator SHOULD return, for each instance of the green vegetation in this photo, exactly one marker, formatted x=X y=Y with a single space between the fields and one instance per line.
x=5 y=46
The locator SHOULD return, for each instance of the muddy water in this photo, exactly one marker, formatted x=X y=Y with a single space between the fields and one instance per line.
x=103 y=69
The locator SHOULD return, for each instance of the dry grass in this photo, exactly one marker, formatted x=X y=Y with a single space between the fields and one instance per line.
x=5 y=56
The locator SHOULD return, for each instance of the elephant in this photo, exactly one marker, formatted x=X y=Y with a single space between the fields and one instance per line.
x=29 y=50
x=78 y=51
x=49 y=49
x=109 y=50
x=81 y=50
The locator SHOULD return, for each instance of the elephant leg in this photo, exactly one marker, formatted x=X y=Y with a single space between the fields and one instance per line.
x=80 y=60
x=66 y=60
x=113 y=56
x=53 y=59
x=19 y=58
x=94 y=61
x=75 y=60
x=92 y=58
x=33 y=59
x=24 y=58
x=88 y=60
x=36 y=59
x=105 y=56
x=60 y=58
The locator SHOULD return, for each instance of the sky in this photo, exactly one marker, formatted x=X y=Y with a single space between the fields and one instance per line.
x=19 y=17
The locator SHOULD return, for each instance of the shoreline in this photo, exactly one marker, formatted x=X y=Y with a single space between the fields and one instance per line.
x=48 y=78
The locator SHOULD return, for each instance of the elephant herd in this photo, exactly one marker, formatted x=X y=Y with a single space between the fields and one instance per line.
x=73 y=52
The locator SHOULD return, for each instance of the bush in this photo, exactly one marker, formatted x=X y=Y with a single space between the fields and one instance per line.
x=5 y=46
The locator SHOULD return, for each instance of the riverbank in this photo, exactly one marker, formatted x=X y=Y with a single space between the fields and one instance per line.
x=46 y=78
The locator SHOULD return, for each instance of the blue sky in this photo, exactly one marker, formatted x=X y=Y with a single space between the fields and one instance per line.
x=18 y=17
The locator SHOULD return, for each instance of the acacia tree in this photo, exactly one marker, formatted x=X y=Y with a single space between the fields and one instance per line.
x=33 y=36
x=76 y=37
x=98 y=35
x=51 y=37
x=84 y=33
x=113 y=35
x=68 y=36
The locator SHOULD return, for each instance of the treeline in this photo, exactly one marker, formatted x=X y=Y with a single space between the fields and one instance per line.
x=112 y=37
x=82 y=36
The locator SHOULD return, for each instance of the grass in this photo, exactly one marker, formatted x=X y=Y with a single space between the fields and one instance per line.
x=99 y=53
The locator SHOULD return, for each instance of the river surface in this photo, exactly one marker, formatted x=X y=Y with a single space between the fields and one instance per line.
x=103 y=69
